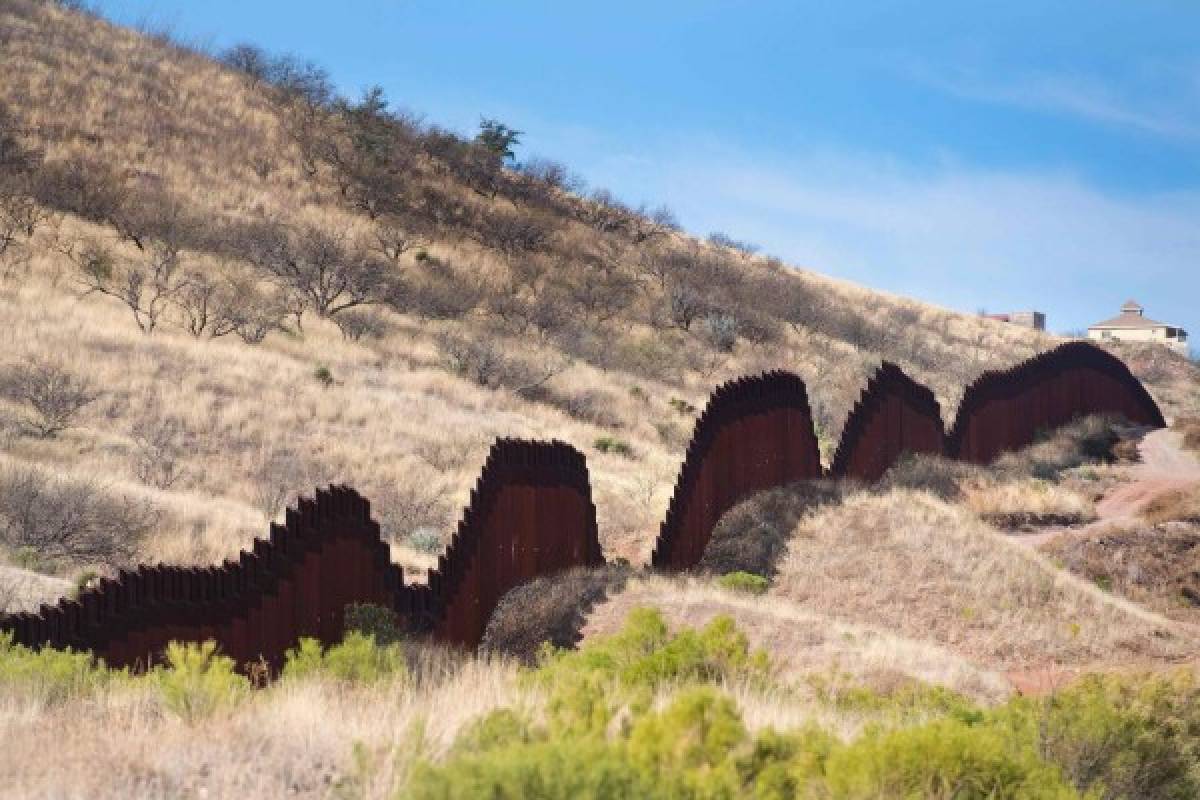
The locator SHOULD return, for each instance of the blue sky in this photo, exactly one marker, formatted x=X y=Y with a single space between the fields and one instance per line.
x=977 y=155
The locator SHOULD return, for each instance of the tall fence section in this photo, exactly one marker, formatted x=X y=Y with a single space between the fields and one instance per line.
x=895 y=415
x=531 y=513
x=326 y=555
x=755 y=433
x=1004 y=411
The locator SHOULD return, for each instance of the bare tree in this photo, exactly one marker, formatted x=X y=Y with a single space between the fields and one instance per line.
x=208 y=308
x=394 y=236
x=721 y=330
x=304 y=94
x=446 y=296
x=250 y=60
x=160 y=448
x=323 y=271
x=660 y=267
x=605 y=213
x=648 y=224
x=372 y=151
x=602 y=288
x=277 y=475
x=20 y=212
x=552 y=174
x=70 y=520
x=686 y=305
x=90 y=189
x=514 y=233
x=147 y=286
x=356 y=325
x=52 y=395
x=720 y=239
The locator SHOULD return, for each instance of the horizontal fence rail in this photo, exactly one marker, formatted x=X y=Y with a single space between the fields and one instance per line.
x=531 y=514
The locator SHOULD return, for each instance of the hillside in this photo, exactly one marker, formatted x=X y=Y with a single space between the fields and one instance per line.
x=479 y=300
x=222 y=285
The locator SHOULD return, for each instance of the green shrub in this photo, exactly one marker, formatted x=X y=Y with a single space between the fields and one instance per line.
x=588 y=686
x=744 y=582
x=692 y=745
x=682 y=406
x=378 y=622
x=644 y=654
x=198 y=681
x=1119 y=736
x=323 y=376
x=908 y=699
x=357 y=659
x=611 y=444
x=1103 y=738
x=27 y=557
x=425 y=540
x=562 y=768
x=946 y=758
x=698 y=747
x=49 y=675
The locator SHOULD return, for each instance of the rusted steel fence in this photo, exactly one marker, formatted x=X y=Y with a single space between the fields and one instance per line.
x=730 y=458
x=894 y=416
x=755 y=433
x=1003 y=411
x=531 y=514
x=295 y=583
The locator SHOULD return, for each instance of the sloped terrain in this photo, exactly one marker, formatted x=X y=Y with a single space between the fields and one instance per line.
x=221 y=285
x=512 y=308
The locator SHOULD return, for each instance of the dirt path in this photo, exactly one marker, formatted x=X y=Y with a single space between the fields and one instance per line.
x=1164 y=467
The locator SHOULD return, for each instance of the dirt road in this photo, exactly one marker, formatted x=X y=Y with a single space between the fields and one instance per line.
x=1164 y=467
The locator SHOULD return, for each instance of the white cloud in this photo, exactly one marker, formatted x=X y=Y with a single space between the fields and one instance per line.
x=961 y=237
x=950 y=233
x=1166 y=106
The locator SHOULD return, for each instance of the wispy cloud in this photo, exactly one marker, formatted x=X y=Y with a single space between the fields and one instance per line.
x=953 y=235
x=1168 y=106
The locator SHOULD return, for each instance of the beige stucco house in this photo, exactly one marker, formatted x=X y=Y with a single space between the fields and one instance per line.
x=1134 y=326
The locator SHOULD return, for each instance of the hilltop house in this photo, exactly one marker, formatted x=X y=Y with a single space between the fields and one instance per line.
x=1134 y=326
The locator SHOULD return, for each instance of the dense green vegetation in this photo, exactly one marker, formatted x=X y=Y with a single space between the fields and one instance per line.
x=647 y=712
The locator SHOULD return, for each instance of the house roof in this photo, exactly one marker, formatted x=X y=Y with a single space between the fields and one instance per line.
x=1131 y=322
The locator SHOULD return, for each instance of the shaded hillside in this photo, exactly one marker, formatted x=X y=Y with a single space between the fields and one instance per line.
x=261 y=286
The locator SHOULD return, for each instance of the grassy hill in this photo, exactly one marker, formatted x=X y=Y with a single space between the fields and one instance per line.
x=333 y=291
x=222 y=285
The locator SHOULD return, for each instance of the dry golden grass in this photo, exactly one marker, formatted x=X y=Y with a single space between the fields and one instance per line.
x=801 y=641
x=1190 y=428
x=1180 y=505
x=911 y=564
x=1029 y=497
x=396 y=424
x=296 y=739
x=23 y=590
